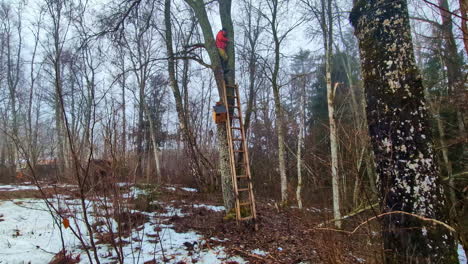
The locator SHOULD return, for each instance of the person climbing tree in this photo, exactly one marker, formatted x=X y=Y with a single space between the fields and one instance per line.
x=221 y=43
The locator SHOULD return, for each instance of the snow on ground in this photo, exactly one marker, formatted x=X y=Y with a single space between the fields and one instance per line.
x=461 y=255
x=17 y=187
x=189 y=189
x=259 y=252
x=28 y=234
x=170 y=188
x=210 y=207
x=134 y=192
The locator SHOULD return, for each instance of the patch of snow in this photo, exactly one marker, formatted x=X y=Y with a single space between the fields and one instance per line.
x=123 y=184
x=461 y=255
x=171 y=211
x=189 y=189
x=360 y=260
x=218 y=239
x=170 y=188
x=28 y=234
x=134 y=192
x=259 y=252
x=211 y=207
x=17 y=187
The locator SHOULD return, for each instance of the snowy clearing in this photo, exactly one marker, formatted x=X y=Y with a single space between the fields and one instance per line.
x=28 y=234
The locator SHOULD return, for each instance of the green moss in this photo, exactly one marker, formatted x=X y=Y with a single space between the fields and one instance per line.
x=231 y=215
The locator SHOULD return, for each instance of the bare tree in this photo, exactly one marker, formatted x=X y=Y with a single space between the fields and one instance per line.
x=140 y=42
x=323 y=14
x=252 y=28
x=56 y=12
x=302 y=67
x=181 y=100
x=276 y=11
x=11 y=31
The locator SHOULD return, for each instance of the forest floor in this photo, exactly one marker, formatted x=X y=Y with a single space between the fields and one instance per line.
x=183 y=226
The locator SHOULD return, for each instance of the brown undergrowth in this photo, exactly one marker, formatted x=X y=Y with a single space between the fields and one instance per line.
x=286 y=235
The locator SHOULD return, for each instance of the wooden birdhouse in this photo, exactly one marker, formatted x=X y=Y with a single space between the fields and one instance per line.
x=219 y=113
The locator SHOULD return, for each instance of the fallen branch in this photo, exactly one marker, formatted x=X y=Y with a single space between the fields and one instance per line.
x=254 y=255
x=384 y=214
x=353 y=213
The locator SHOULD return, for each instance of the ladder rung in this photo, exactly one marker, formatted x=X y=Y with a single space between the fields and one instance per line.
x=232 y=86
x=235 y=117
x=234 y=106
x=243 y=190
x=246 y=218
x=238 y=128
x=233 y=96
x=242 y=176
x=237 y=139
x=246 y=203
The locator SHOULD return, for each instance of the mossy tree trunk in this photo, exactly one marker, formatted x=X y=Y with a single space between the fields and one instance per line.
x=400 y=135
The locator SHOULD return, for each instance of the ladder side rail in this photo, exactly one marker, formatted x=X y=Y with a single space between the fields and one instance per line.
x=231 y=153
x=246 y=156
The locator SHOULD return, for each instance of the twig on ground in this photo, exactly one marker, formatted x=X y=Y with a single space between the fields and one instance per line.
x=353 y=213
x=435 y=221
x=254 y=255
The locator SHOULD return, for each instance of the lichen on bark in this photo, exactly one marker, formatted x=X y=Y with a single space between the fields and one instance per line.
x=400 y=133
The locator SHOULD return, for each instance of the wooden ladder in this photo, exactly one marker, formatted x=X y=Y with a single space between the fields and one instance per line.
x=240 y=167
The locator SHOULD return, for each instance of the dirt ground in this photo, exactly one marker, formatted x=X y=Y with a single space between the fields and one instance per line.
x=286 y=235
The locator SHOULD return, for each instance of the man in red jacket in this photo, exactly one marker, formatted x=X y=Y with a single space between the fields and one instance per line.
x=221 y=44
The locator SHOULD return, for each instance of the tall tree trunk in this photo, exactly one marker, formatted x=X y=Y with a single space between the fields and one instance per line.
x=327 y=31
x=358 y=107
x=300 y=143
x=59 y=117
x=140 y=129
x=278 y=107
x=124 y=115
x=156 y=152
x=333 y=150
x=198 y=6
x=251 y=96
x=455 y=76
x=400 y=135
x=443 y=146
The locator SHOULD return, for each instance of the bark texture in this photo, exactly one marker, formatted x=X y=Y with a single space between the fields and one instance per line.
x=400 y=134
